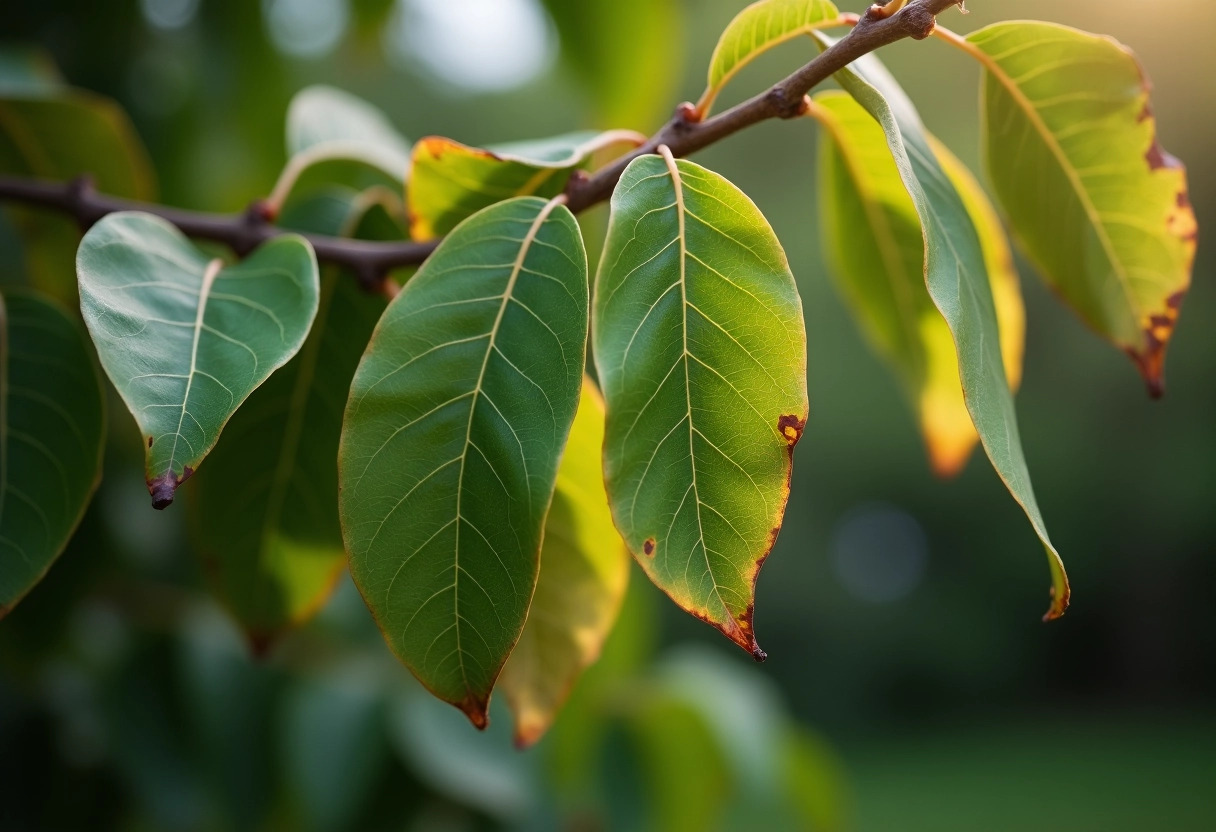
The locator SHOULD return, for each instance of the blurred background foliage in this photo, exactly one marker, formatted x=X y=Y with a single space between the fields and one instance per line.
x=910 y=685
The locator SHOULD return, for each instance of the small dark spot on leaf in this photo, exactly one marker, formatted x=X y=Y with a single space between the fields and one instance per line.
x=758 y=654
x=648 y=546
x=149 y=441
x=791 y=427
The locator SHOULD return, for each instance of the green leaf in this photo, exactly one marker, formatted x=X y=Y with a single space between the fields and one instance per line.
x=1097 y=204
x=630 y=70
x=334 y=137
x=450 y=182
x=755 y=30
x=872 y=234
x=51 y=431
x=184 y=337
x=53 y=132
x=265 y=509
x=584 y=570
x=956 y=275
x=701 y=351
x=456 y=421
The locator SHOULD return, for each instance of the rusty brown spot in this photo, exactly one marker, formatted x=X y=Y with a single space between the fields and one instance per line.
x=149 y=441
x=476 y=709
x=648 y=546
x=435 y=146
x=791 y=427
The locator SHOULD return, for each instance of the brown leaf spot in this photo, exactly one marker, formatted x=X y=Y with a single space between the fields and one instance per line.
x=648 y=547
x=477 y=710
x=149 y=441
x=435 y=146
x=164 y=487
x=791 y=427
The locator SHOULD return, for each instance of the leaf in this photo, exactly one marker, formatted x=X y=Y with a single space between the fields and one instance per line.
x=334 y=137
x=584 y=570
x=53 y=132
x=956 y=275
x=456 y=421
x=450 y=182
x=755 y=30
x=701 y=352
x=872 y=233
x=185 y=338
x=631 y=70
x=51 y=431
x=1097 y=204
x=265 y=509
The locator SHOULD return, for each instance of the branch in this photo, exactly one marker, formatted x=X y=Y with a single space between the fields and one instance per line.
x=685 y=134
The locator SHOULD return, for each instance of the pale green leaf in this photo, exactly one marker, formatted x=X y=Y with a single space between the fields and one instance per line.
x=51 y=432
x=184 y=337
x=701 y=351
x=872 y=234
x=957 y=279
x=584 y=570
x=265 y=508
x=450 y=181
x=456 y=422
x=1098 y=205
x=755 y=30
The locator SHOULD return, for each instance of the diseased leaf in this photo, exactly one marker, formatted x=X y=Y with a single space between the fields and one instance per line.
x=184 y=337
x=450 y=182
x=755 y=30
x=50 y=131
x=956 y=275
x=701 y=351
x=333 y=138
x=1098 y=205
x=457 y=418
x=872 y=234
x=584 y=569
x=630 y=70
x=265 y=509
x=51 y=437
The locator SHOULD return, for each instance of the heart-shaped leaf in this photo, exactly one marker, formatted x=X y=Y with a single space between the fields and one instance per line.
x=872 y=234
x=701 y=351
x=584 y=569
x=450 y=181
x=265 y=508
x=184 y=337
x=334 y=138
x=456 y=422
x=1097 y=204
x=51 y=431
x=957 y=278
x=755 y=30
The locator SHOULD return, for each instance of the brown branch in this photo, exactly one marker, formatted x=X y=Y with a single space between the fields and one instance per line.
x=372 y=261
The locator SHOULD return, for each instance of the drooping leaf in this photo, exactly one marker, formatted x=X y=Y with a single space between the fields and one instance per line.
x=1095 y=201
x=630 y=70
x=51 y=131
x=184 y=337
x=873 y=236
x=51 y=431
x=333 y=138
x=701 y=351
x=457 y=418
x=265 y=508
x=450 y=182
x=956 y=275
x=584 y=569
x=755 y=30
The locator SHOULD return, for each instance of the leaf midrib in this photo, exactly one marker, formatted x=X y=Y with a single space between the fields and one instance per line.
x=209 y=275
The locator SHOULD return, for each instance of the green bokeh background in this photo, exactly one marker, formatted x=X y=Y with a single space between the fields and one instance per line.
x=126 y=701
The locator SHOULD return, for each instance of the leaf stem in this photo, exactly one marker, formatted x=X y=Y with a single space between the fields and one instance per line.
x=371 y=262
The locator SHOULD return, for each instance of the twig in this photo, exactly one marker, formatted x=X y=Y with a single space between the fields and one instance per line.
x=372 y=261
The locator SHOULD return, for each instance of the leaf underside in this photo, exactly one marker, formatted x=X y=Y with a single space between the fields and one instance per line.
x=456 y=421
x=957 y=279
x=184 y=338
x=584 y=570
x=51 y=437
x=1095 y=201
x=701 y=351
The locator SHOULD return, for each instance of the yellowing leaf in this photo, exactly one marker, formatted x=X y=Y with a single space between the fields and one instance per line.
x=584 y=569
x=873 y=237
x=755 y=30
x=1098 y=205
x=450 y=182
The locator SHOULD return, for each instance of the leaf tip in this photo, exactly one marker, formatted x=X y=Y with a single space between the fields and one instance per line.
x=477 y=709
x=164 y=488
x=1059 y=603
x=527 y=734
